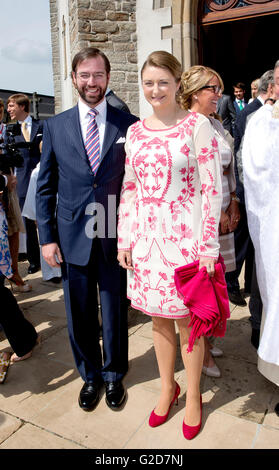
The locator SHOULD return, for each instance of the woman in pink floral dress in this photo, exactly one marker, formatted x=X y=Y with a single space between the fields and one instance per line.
x=168 y=217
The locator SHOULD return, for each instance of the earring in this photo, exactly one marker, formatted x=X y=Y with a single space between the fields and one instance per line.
x=195 y=96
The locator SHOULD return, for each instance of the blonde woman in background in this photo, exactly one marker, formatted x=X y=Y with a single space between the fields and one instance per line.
x=205 y=88
x=254 y=89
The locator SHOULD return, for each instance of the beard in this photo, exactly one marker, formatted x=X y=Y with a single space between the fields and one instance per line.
x=92 y=99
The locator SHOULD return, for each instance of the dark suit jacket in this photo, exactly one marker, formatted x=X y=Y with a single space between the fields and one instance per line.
x=117 y=102
x=236 y=107
x=239 y=130
x=2 y=182
x=31 y=157
x=65 y=170
x=240 y=122
x=225 y=109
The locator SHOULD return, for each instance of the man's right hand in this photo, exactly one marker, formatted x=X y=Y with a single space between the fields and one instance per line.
x=49 y=251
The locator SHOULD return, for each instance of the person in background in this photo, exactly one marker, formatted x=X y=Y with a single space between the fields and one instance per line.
x=261 y=180
x=20 y=332
x=254 y=90
x=230 y=212
x=239 y=92
x=244 y=249
x=15 y=222
x=163 y=217
x=226 y=110
x=230 y=216
x=49 y=273
x=18 y=106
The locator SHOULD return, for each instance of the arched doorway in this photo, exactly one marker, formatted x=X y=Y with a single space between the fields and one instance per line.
x=239 y=39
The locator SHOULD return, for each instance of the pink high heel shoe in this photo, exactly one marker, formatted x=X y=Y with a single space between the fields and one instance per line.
x=156 y=420
x=190 y=432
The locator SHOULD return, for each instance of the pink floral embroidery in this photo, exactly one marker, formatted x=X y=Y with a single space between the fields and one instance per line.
x=137 y=132
x=208 y=154
x=183 y=230
x=164 y=186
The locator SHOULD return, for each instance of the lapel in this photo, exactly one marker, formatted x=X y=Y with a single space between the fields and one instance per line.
x=112 y=127
x=34 y=129
x=72 y=127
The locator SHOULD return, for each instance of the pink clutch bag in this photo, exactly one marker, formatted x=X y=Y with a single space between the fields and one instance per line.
x=206 y=298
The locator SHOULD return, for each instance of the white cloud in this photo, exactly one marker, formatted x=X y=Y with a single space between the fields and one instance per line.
x=27 y=51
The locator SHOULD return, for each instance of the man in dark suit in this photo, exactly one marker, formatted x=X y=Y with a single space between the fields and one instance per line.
x=83 y=162
x=31 y=131
x=226 y=110
x=244 y=250
x=239 y=92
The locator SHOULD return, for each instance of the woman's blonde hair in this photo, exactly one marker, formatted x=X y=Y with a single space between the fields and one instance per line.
x=164 y=60
x=194 y=80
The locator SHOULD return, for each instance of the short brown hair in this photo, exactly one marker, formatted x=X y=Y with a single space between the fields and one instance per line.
x=21 y=100
x=240 y=85
x=89 y=53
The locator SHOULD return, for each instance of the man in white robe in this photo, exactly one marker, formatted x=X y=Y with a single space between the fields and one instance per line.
x=261 y=183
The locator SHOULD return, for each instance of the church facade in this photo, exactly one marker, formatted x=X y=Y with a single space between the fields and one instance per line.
x=218 y=33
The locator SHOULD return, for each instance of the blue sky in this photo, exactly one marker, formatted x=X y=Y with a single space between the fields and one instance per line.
x=25 y=46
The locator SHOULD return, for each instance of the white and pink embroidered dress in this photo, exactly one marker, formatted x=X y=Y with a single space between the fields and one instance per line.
x=169 y=209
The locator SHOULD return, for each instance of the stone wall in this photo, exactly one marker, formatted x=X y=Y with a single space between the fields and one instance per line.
x=55 y=54
x=110 y=26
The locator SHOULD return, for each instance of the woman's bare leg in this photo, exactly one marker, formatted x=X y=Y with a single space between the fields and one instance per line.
x=164 y=338
x=193 y=362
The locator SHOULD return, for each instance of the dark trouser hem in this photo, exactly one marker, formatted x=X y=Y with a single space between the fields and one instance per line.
x=255 y=303
x=244 y=251
x=20 y=333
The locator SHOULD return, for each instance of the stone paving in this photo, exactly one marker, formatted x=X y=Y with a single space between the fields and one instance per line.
x=38 y=401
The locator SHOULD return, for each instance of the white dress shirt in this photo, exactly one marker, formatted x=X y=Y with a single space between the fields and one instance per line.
x=101 y=117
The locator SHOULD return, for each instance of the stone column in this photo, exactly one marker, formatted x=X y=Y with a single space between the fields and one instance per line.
x=183 y=31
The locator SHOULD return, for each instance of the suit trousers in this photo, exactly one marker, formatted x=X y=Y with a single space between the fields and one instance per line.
x=80 y=285
x=32 y=242
x=255 y=303
x=244 y=251
x=20 y=333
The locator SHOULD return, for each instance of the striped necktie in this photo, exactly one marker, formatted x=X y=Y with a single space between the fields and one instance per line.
x=92 y=143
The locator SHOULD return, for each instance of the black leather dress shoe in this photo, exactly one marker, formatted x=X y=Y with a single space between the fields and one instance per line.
x=115 y=395
x=33 y=268
x=89 y=396
x=236 y=298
